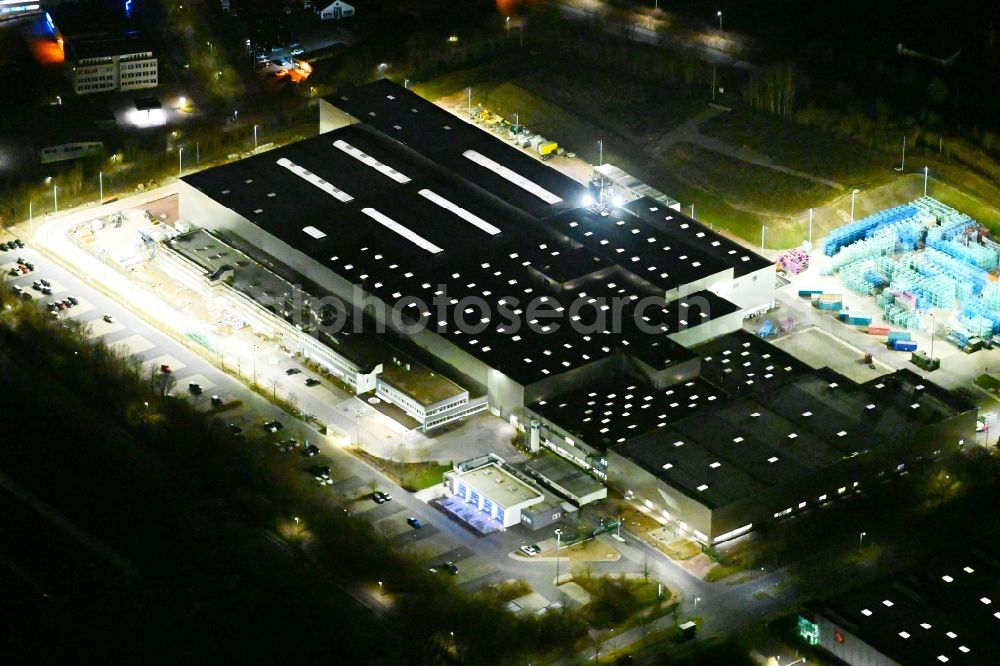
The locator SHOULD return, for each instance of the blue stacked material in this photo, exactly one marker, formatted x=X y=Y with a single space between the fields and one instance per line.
x=875 y=279
x=766 y=329
x=974 y=309
x=904 y=345
x=898 y=335
x=809 y=292
x=854 y=231
x=973 y=254
x=959 y=271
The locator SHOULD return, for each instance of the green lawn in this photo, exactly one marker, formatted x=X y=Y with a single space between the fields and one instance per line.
x=800 y=147
x=412 y=476
x=748 y=185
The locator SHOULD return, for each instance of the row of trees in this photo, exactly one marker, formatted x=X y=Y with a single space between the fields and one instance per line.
x=256 y=488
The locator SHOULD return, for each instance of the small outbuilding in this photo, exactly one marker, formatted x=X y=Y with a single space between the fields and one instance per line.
x=336 y=11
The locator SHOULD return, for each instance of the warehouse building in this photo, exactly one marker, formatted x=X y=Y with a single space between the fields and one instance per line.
x=943 y=612
x=441 y=213
x=756 y=437
x=617 y=330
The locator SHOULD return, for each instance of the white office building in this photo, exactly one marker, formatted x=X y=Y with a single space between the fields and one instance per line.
x=117 y=64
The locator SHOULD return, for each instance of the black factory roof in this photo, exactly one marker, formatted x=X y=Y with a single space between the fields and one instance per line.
x=460 y=147
x=945 y=610
x=380 y=215
x=801 y=424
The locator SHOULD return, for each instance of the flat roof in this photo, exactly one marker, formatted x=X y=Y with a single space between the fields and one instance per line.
x=419 y=382
x=381 y=216
x=762 y=440
x=103 y=46
x=614 y=410
x=461 y=147
x=499 y=485
x=944 y=611
x=680 y=228
x=561 y=473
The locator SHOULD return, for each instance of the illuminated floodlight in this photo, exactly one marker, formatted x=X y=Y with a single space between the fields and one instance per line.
x=617 y=202
x=147 y=118
x=587 y=200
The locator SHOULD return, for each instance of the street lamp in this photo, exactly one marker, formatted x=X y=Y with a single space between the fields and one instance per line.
x=925 y=181
x=55 y=197
x=255 y=136
x=380 y=587
x=931 y=315
x=854 y=193
x=236 y=116
x=180 y=161
x=558 y=543
x=719 y=14
x=763 y=234
x=696 y=600
x=100 y=179
x=861 y=540
x=810 y=227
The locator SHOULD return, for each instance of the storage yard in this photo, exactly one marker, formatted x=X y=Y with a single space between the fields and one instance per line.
x=923 y=267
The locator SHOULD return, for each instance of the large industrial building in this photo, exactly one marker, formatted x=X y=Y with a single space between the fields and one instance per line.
x=607 y=332
x=941 y=612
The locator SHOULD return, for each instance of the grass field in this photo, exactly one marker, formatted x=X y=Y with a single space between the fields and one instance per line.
x=746 y=184
x=799 y=147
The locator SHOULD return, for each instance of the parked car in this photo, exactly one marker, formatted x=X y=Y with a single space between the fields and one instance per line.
x=195 y=388
x=14 y=270
x=310 y=450
x=452 y=568
x=380 y=497
x=297 y=51
x=73 y=300
x=4 y=247
x=322 y=474
x=312 y=382
x=414 y=522
x=530 y=550
x=286 y=446
x=236 y=430
x=47 y=291
x=273 y=426
x=216 y=401
x=18 y=242
x=45 y=283
x=111 y=320
x=292 y=371
x=165 y=369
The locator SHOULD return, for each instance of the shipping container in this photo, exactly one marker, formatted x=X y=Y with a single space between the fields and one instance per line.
x=904 y=345
x=878 y=330
x=899 y=335
x=810 y=292
x=858 y=320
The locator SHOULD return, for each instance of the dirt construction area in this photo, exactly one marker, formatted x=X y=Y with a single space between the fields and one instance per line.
x=817 y=348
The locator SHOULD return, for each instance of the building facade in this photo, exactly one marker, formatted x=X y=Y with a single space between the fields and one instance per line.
x=103 y=66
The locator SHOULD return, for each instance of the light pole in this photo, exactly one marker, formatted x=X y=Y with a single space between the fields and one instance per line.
x=619 y=526
x=713 y=83
x=810 y=227
x=236 y=116
x=470 y=101
x=180 y=161
x=719 y=14
x=357 y=419
x=55 y=197
x=558 y=542
x=696 y=600
x=902 y=164
x=861 y=540
x=763 y=234
x=925 y=181
x=692 y=211
x=255 y=136
x=931 y=315
x=100 y=180
x=854 y=193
